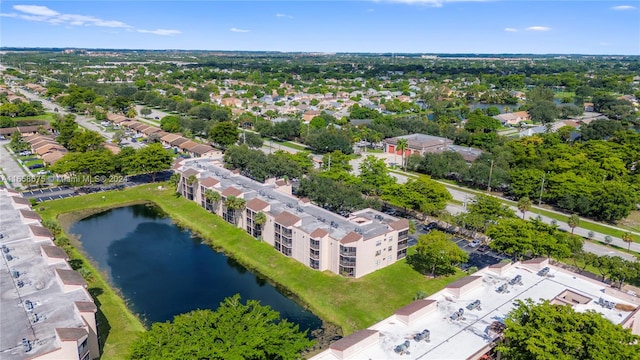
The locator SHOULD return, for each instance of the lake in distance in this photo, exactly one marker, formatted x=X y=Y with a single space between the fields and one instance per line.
x=162 y=270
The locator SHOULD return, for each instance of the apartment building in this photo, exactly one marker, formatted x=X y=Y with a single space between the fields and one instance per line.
x=465 y=319
x=353 y=246
x=46 y=311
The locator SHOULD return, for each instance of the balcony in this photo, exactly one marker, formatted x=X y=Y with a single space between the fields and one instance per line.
x=403 y=244
x=347 y=262
x=287 y=242
x=347 y=253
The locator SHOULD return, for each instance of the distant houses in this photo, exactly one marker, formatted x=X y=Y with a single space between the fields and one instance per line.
x=513 y=118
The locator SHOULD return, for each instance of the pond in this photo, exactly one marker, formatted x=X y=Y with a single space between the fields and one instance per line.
x=162 y=270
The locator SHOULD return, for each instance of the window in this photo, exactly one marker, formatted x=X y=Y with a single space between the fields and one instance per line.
x=314 y=264
x=378 y=253
x=283 y=239
x=378 y=243
x=378 y=262
x=390 y=248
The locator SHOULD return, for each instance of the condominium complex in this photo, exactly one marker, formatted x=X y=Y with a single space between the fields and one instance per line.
x=353 y=246
x=46 y=311
x=465 y=320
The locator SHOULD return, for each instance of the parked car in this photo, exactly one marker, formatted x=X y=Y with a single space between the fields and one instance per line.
x=475 y=243
x=483 y=248
x=35 y=166
x=42 y=172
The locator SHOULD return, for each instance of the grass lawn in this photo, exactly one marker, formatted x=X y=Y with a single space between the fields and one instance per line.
x=374 y=151
x=288 y=144
x=350 y=303
x=45 y=117
x=33 y=162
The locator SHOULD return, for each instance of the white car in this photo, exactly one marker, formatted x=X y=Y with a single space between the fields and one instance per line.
x=42 y=172
x=475 y=243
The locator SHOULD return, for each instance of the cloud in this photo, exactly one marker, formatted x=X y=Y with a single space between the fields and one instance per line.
x=538 y=28
x=163 y=32
x=433 y=3
x=510 y=29
x=44 y=14
x=36 y=10
x=284 y=16
x=239 y=30
x=604 y=44
x=623 y=7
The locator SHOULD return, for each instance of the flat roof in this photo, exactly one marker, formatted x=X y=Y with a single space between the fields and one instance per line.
x=469 y=334
x=367 y=222
x=33 y=304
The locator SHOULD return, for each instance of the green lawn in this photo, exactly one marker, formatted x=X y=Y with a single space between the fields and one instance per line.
x=33 y=162
x=287 y=144
x=45 y=117
x=350 y=303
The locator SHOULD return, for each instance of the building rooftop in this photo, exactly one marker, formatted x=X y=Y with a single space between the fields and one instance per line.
x=368 y=222
x=33 y=303
x=466 y=317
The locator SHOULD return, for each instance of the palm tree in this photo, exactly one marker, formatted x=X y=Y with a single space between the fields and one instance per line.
x=573 y=221
x=192 y=179
x=628 y=238
x=213 y=197
x=235 y=204
x=524 y=205
x=259 y=220
x=402 y=146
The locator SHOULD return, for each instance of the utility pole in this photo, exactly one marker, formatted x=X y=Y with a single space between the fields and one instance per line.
x=329 y=162
x=541 y=188
x=490 y=174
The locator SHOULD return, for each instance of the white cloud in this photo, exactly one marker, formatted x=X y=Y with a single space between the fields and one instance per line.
x=284 y=16
x=538 y=28
x=36 y=10
x=239 y=30
x=604 y=44
x=433 y=3
x=44 y=14
x=510 y=29
x=163 y=32
x=623 y=7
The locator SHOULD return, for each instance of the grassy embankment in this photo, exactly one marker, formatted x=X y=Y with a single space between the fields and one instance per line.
x=349 y=303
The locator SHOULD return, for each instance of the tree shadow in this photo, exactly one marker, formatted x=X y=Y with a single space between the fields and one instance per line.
x=104 y=328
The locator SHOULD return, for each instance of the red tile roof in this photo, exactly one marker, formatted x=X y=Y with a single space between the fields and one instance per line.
x=351 y=237
x=319 y=233
x=209 y=182
x=414 y=306
x=256 y=204
x=286 y=219
x=400 y=224
x=231 y=191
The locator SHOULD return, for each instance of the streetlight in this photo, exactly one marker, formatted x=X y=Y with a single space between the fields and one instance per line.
x=490 y=174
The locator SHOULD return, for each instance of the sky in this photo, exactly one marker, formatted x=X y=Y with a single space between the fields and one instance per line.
x=377 y=26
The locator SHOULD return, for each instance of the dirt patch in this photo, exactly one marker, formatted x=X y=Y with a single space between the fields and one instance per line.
x=632 y=221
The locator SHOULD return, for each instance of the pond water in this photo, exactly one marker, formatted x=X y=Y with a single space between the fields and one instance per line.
x=162 y=270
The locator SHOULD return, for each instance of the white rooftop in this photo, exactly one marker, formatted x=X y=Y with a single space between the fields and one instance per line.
x=470 y=337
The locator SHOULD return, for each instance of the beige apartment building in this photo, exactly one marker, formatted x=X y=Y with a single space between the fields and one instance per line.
x=353 y=246
x=46 y=311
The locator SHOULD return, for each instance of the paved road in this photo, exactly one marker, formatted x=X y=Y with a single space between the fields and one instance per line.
x=10 y=167
x=82 y=120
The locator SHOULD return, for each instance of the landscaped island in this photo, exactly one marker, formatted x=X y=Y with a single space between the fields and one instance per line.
x=352 y=304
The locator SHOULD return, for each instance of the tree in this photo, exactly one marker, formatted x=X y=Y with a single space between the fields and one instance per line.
x=373 y=174
x=213 y=198
x=436 y=255
x=224 y=133
x=546 y=331
x=628 y=238
x=17 y=142
x=118 y=136
x=544 y=112
x=131 y=113
x=235 y=204
x=253 y=140
x=259 y=220
x=170 y=124
x=88 y=140
x=145 y=111
x=573 y=221
x=234 y=331
x=150 y=159
x=66 y=127
x=524 y=205
x=402 y=146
